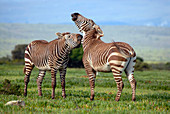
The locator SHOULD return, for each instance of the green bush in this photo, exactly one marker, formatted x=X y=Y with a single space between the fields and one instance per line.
x=75 y=60
x=5 y=60
x=141 y=65
x=167 y=65
x=8 y=88
x=18 y=52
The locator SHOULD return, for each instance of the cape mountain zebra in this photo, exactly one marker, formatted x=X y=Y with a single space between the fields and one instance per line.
x=51 y=56
x=98 y=56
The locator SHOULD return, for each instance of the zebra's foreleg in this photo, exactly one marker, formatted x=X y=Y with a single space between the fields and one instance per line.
x=62 y=78
x=27 y=71
x=92 y=75
x=120 y=85
x=39 y=81
x=53 y=82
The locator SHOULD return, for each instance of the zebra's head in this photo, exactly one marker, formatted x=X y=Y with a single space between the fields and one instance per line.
x=73 y=40
x=85 y=24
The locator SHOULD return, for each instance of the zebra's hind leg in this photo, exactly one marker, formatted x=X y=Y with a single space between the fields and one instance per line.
x=62 y=78
x=27 y=71
x=92 y=76
x=53 y=81
x=132 y=83
x=133 y=86
x=120 y=85
x=129 y=73
x=39 y=81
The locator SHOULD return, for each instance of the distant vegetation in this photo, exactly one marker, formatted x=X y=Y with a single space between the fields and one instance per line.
x=75 y=59
x=150 y=43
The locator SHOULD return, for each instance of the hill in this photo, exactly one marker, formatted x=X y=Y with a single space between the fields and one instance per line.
x=151 y=43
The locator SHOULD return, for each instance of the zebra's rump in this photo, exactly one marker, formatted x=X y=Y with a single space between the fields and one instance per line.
x=125 y=48
x=40 y=55
x=37 y=53
x=102 y=56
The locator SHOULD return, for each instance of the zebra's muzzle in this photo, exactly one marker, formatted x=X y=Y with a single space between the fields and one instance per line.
x=79 y=37
x=74 y=16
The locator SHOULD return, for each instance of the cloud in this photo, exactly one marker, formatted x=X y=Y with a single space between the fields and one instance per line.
x=149 y=24
x=164 y=23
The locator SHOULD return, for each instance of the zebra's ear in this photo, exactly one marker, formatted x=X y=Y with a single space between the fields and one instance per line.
x=65 y=33
x=99 y=31
x=58 y=34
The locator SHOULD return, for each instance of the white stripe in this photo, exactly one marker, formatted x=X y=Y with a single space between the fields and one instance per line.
x=28 y=47
x=118 y=62
x=28 y=60
x=115 y=71
x=114 y=53
x=27 y=52
x=117 y=77
x=27 y=64
x=118 y=68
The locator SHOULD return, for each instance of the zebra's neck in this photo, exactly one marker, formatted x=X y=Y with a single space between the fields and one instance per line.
x=63 y=48
x=85 y=41
x=88 y=39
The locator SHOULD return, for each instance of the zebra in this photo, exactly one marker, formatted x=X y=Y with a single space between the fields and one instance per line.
x=98 y=56
x=50 y=56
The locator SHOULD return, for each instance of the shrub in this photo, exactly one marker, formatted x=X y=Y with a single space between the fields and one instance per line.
x=8 y=88
x=18 y=52
x=167 y=65
x=5 y=60
x=140 y=65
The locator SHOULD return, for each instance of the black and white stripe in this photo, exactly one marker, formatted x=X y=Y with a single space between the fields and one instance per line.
x=51 y=56
x=98 y=56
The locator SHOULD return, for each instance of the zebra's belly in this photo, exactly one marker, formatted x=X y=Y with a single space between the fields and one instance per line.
x=47 y=67
x=103 y=68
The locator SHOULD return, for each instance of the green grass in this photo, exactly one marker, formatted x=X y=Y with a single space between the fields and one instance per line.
x=152 y=94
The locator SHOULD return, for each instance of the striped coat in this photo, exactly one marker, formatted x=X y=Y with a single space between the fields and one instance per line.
x=51 y=56
x=98 y=56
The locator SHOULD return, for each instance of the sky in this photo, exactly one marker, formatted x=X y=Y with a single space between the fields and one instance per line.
x=103 y=12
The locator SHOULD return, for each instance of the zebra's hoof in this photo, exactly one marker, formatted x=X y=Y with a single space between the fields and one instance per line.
x=117 y=99
x=25 y=94
x=64 y=97
x=52 y=97
x=133 y=99
x=91 y=99
x=40 y=94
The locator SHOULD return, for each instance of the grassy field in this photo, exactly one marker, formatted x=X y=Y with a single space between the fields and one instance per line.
x=152 y=94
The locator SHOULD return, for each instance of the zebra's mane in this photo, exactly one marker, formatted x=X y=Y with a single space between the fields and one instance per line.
x=93 y=34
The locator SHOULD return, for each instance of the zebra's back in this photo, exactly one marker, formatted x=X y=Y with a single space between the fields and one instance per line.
x=101 y=54
x=38 y=53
